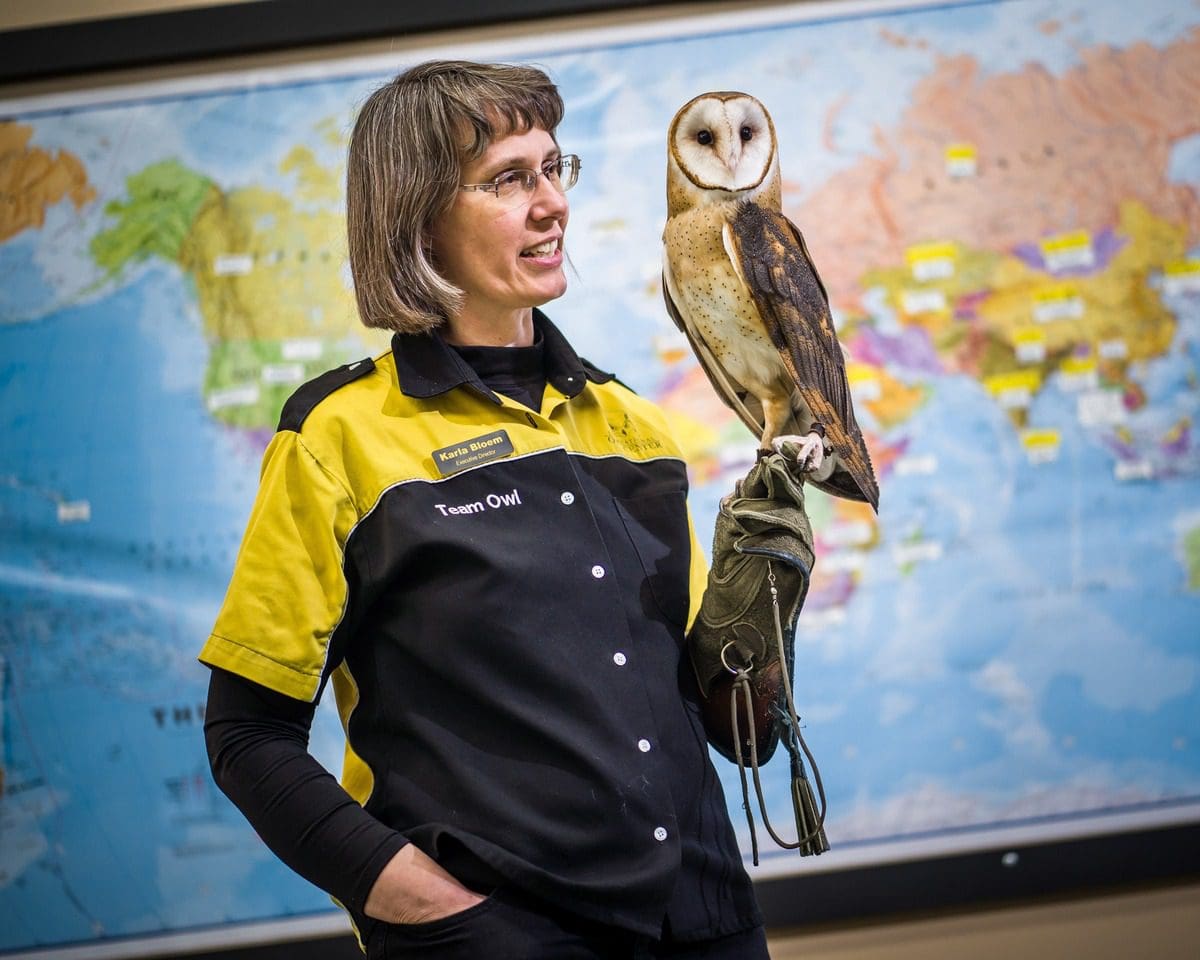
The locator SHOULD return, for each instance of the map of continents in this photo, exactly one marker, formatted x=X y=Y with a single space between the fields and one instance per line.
x=1002 y=200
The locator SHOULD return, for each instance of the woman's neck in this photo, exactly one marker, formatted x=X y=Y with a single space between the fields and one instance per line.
x=511 y=329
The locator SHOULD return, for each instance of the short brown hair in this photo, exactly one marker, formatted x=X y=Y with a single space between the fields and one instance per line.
x=410 y=142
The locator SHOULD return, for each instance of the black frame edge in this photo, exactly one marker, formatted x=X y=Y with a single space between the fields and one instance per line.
x=992 y=878
x=141 y=40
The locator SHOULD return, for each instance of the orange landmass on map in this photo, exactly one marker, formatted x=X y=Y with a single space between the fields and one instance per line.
x=828 y=138
x=1047 y=159
x=900 y=41
x=32 y=179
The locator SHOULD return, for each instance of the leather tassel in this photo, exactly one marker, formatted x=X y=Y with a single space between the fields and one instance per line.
x=808 y=823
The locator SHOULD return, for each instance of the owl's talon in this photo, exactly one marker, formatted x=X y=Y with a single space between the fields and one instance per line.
x=807 y=451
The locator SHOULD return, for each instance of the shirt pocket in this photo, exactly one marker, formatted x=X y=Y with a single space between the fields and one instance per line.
x=658 y=528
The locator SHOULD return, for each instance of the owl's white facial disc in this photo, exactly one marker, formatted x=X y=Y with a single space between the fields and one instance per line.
x=723 y=142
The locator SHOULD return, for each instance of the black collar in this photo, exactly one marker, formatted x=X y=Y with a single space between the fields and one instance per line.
x=426 y=366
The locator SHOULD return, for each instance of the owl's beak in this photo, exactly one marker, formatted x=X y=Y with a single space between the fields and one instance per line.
x=732 y=155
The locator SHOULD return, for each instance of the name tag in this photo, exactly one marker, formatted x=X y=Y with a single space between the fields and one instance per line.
x=471 y=452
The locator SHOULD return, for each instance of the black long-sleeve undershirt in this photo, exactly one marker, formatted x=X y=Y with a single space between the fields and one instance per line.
x=257 y=743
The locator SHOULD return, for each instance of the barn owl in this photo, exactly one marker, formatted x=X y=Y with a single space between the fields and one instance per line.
x=739 y=282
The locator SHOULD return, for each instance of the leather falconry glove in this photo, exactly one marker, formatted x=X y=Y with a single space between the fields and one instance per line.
x=742 y=642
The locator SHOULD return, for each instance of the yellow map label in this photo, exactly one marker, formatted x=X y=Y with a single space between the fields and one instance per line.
x=1041 y=446
x=1057 y=301
x=961 y=160
x=931 y=261
x=1078 y=373
x=1065 y=250
x=1182 y=276
x=864 y=381
x=1029 y=344
x=1015 y=388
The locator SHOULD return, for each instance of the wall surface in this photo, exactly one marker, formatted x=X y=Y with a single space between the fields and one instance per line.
x=1161 y=922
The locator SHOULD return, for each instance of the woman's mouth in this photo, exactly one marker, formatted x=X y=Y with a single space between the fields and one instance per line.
x=547 y=249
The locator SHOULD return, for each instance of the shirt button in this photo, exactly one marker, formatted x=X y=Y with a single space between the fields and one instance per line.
x=619 y=658
x=644 y=745
x=597 y=571
x=660 y=834
x=567 y=497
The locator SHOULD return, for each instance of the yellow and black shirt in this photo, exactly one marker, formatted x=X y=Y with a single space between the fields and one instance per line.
x=499 y=596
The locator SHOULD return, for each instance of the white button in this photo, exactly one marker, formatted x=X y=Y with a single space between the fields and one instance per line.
x=567 y=497
x=644 y=745
x=660 y=834
x=597 y=571
x=619 y=658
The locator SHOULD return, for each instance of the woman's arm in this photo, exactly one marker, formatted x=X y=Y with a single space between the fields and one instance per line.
x=258 y=747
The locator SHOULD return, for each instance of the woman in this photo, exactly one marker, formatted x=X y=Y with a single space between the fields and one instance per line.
x=483 y=541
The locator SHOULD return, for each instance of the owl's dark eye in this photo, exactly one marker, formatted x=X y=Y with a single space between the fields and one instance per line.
x=704 y=137
x=747 y=133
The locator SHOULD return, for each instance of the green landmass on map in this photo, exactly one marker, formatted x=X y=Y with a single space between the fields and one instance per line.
x=1191 y=556
x=267 y=268
x=155 y=219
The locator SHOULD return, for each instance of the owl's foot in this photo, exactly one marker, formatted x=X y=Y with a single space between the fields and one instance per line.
x=808 y=451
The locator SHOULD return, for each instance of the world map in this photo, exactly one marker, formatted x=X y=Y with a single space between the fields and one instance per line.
x=1003 y=200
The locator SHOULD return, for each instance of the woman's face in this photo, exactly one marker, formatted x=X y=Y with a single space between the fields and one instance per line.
x=505 y=259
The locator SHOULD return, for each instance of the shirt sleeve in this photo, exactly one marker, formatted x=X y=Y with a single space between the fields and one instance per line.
x=257 y=743
x=288 y=593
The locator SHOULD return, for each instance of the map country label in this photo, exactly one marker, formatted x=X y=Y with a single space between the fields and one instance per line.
x=852 y=534
x=1182 y=276
x=74 y=511
x=301 y=349
x=864 y=381
x=921 y=465
x=826 y=618
x=282 y=373
x=1015 y=388
x=1041 y=446
x=906 y=554
x=1066 y=251
x=961 y=160
x=1112 y=349
x=916 y=302
x=1078 y=373
x=1029 y=344
x=1057 y=301
x=847 y=561
x=1100 y=408
x=233 y=264
x=240 y=395
x=1128 y=470
x=931 y=261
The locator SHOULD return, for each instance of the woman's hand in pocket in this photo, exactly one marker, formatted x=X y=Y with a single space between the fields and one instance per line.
x=412 y=888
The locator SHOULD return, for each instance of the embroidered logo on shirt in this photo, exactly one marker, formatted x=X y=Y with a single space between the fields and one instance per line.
x=469 y=453
x=628 y=434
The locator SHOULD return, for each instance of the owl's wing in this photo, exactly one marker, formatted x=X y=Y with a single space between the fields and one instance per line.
x=770 y=256
x=735 y=396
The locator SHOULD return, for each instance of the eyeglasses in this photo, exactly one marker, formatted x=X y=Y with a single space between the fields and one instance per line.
x=514 y=187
